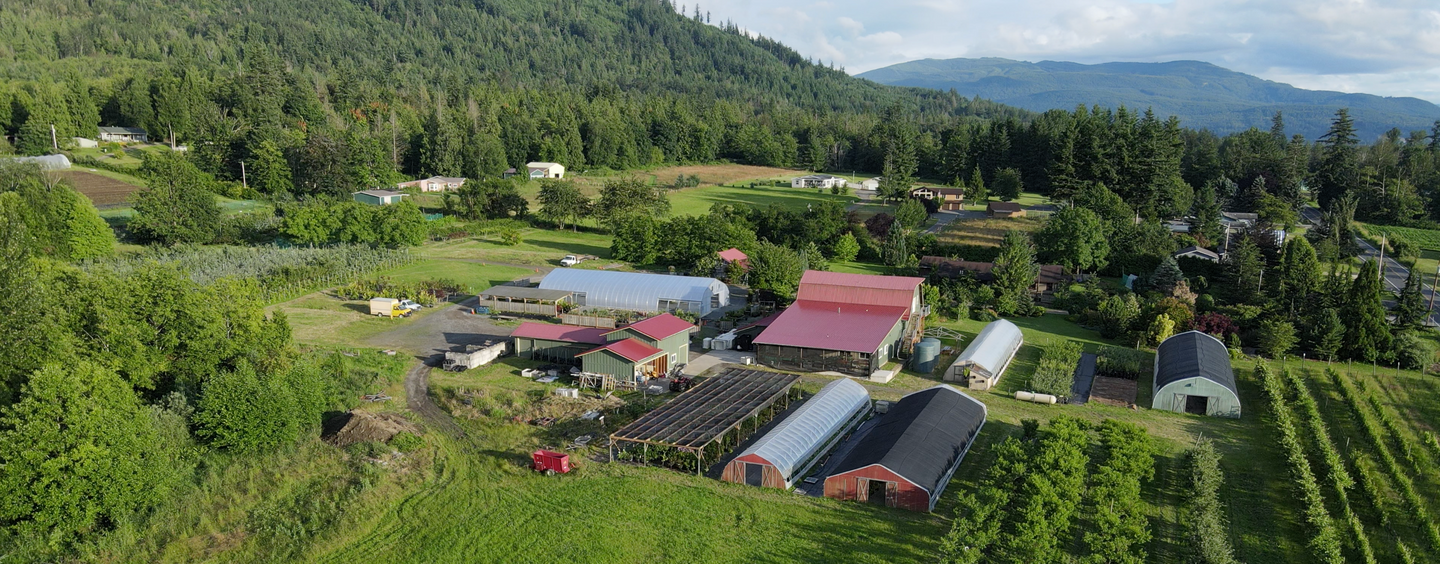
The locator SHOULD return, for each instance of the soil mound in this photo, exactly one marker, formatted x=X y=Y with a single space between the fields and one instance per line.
x=359 y=426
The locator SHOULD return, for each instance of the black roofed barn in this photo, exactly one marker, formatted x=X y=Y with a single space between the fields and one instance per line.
x=909 y=457
x=1193 y=375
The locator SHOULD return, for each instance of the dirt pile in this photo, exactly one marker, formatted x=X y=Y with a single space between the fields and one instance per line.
x=360 y=426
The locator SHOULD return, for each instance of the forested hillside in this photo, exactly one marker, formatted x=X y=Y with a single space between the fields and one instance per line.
x=1202 y=95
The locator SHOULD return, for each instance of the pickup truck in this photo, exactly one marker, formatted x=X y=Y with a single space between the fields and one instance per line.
x=572 y=260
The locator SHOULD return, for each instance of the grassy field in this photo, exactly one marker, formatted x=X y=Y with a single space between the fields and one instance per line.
x=538 y=247
x=697 y=201
x=988 y=232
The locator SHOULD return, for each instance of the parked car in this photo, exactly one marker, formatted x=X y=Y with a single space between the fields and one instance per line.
x=410 y=305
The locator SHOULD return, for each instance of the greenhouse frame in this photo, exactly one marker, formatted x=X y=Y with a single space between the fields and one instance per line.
x=988 y=355
x=1193 y=375
x=636 y=291
x=788 y=452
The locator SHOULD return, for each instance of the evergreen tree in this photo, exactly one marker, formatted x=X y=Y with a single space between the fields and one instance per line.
x=1299 y=276
x=1410 y=310
x=1205 y=216
x=269 y=173
x=1339 y=171
x=846 y=247
x=1166 y=275
x=442 y=150
x=1367 y=334
x=910 y=214
x=896 y=248
x=1327 y=334
x=1015 y=273
x=1276 y=337
x=34 y=138
x=1008 y=185
x=1074 y=237
x=975 y=191
x=1243 y=268
x=812 y=258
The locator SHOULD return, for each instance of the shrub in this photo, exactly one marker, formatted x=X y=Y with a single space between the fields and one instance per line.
x=1056 y=373
x=1119 y=362
x=406 y=442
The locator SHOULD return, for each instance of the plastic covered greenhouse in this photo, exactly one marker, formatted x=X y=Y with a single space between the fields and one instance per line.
x=792 y=447
x=985 y=359
x=638 y=291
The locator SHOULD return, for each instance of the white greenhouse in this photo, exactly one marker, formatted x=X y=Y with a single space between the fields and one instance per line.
x=637 y=291
x=788 y=451
x=985 y=359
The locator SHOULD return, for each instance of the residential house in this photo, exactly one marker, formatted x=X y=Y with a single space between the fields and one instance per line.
x=1051 y=278
x=1178 y=225
x=540 y=170
x=509 y=172
x=870 y=184
x=1201 y=253
x=1235 y=222
x=378 y=197
x=1004 y=210
x=951 y=199
x=817 y=181
x=123 y=134
x=434 y=184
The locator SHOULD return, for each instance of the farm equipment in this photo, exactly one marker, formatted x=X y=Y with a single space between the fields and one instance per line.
x=473 y=356
x=387 y=307
x=681 y=383
x=549 y=462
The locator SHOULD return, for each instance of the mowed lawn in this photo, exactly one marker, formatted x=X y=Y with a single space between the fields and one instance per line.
x=538 y=247
x=697 y=201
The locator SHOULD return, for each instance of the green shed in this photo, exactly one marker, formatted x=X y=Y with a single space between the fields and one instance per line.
x=625 y=359
x=555 y=343
x=1193 y=375
x=665 y=332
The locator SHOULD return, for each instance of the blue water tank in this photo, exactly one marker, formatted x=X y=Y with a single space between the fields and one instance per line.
x=927 y=352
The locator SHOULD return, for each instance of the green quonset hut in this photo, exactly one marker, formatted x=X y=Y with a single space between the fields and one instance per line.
x=1193 y=375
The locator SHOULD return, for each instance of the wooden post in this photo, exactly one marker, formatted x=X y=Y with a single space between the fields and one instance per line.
x=646 y=460
x=243 y=182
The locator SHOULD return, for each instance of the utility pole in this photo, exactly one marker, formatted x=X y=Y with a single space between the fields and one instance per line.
x=394 y=142
x=54 y=142
x=1433 y=288
x=243 y=181
x=1380 y=268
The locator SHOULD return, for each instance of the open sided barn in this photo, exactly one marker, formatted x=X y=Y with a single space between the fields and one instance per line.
x=986 y=358
x=709 y=418
x=786 y=453
x=556 y=343
x=847 y=323
x=1193 y=375
x=908 y=458
x=637 y=291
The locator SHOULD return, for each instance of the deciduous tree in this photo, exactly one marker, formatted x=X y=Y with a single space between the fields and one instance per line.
x=1074 y=237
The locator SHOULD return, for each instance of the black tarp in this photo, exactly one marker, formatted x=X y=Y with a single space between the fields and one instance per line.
x=921 y=437
x=1193 y=354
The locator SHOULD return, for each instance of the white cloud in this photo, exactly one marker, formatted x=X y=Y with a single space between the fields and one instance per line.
x=1387 y=47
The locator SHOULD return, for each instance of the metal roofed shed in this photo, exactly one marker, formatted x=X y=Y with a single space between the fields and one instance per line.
x=1193 y=375
x=866 y=289
x=639 y=291
x=520 y=299
x=986 y=358
x=555 y=343
x=909 y=457
x=786 y=453
x=817 y=336
x=705 y=415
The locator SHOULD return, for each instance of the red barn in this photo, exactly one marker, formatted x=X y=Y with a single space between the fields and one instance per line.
x=908 y=458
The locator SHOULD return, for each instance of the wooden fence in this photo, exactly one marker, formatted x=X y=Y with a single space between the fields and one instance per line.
x=588 y=321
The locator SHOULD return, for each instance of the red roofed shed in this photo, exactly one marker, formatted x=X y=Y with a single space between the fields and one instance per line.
x=866 y=289
x=733 y=255
x=818 y=336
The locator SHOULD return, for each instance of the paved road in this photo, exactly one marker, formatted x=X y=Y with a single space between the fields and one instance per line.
x=1395 y=273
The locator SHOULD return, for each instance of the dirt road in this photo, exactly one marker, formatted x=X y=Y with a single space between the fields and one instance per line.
x=417 y=398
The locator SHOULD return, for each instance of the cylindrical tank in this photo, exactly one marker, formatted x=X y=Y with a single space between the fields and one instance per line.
x=1034 y=397
x=708 y=340
x=927 y=352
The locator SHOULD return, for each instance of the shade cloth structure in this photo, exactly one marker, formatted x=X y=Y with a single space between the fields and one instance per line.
x=1193 y=374
x=986 y=358
x=794 y=445
x=637 y=291
x=917 y=445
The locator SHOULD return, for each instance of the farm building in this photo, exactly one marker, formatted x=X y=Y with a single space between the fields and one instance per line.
x=45 y=162
x=817 y=181
x=908 y=458
x=786 y=453
x=847 y=323
x=545 y=170
x=1004 y=209
x=520 y=299
x=715 y=411
x=870 y=184
x=986 y=358
x=555 y=343
x=1193 y=375
x=1195 y=252
x=952 y=199
x=123 y=134
x=434 y=184
x=377 y=197
x=638 y=291
x=626 y=359
x=734 y=256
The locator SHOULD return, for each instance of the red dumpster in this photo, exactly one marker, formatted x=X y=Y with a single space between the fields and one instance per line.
x=550 y=462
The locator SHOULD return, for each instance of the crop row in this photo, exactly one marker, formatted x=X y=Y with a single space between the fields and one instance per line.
x=1024 y=508
x=1408 y=448
x=1324 y=540
x=1405 y=484
x=1339 y=477
x=1120 y=528
x=1209 y=533
x=1056 y=372
x=1423 y=238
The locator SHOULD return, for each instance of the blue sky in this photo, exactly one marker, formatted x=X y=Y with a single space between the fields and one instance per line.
x=1390 y=48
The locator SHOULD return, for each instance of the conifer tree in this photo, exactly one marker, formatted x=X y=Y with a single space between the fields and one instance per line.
x=1339 y=171
x=1367 y=335
x=1015 y=272
x=1410 y=308
x=975 y=191
x=1205 y=212
x=1327 y=334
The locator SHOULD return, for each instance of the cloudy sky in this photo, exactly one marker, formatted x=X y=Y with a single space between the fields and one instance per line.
x=1389 y=47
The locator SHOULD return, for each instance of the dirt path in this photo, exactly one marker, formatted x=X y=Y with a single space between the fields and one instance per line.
x=417 y=398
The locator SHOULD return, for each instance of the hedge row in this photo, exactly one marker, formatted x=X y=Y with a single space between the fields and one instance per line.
x=1208 y=531
x=1324 y=540
x=1120 y=528
x=1056 y=372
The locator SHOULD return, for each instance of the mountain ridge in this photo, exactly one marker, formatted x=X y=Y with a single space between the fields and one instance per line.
x=1201 y=94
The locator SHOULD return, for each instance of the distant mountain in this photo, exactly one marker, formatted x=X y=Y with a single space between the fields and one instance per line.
x=1202 y=95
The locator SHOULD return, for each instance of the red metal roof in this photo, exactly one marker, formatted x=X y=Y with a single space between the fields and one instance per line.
x=733 y=254
x=630 y=349
x=833 y=326
x=563 y=333
x=763 y=321
x=868 y=289
x=662 y=326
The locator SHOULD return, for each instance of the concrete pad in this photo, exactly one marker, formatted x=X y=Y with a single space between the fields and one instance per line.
x=882 y=376
x=701 y=364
